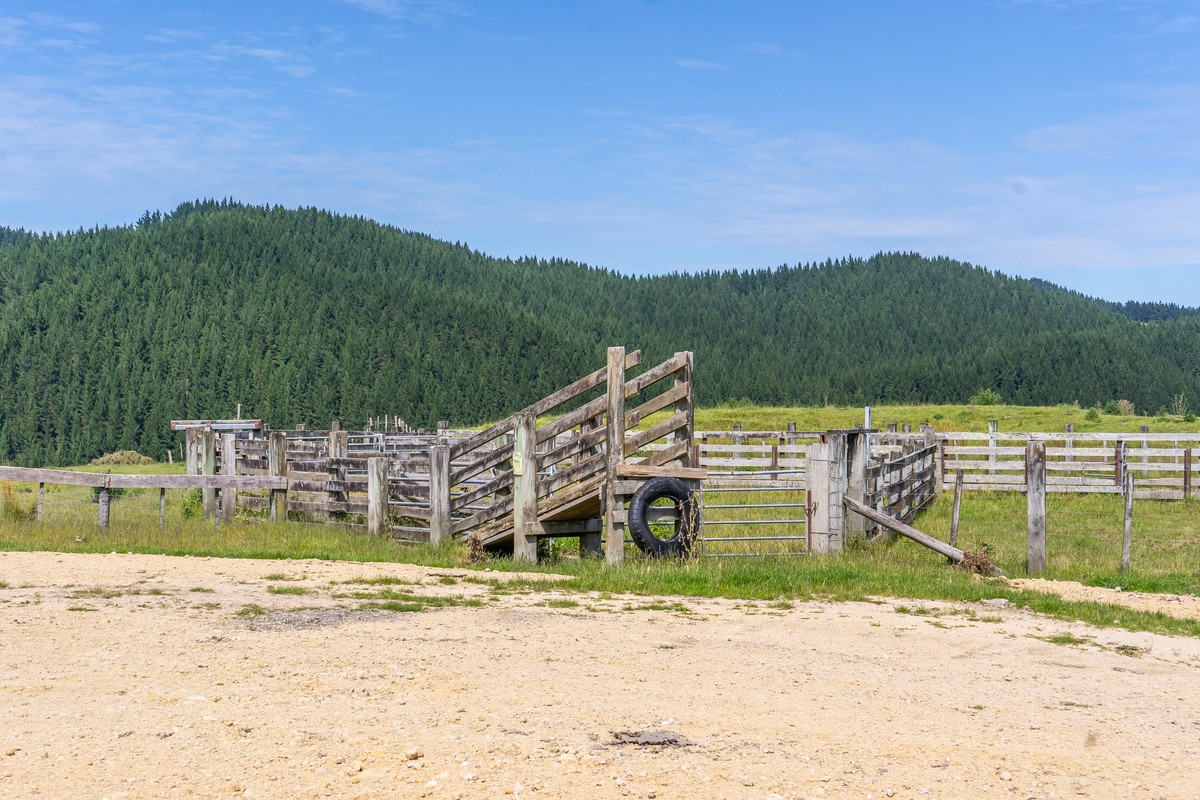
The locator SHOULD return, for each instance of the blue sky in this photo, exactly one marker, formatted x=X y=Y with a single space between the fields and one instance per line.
x=1058 y=139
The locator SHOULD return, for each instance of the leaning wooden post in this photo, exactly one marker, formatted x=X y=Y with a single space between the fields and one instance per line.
x=954 y=514
x=525 y=489
x=277 y=467
x=377 y=497
x=439 y=492
x=207 y=464
x=614 y=530
x=1035 y=487
x=228 y=467
x=1127 y=537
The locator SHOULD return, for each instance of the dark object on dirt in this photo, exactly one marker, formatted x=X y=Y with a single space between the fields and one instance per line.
x=650 y=738
x=978 y=562
x=687 y=511
x=475 y=552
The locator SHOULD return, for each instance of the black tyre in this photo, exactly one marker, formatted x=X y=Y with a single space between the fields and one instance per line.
x=687 y=518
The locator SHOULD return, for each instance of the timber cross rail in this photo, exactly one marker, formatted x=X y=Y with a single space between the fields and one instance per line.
x=105 y=482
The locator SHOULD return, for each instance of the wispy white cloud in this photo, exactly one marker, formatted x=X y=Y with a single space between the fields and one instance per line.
x=294 y=64
x=1156 y=120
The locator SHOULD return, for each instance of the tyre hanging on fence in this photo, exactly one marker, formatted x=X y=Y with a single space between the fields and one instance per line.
x=687 y=512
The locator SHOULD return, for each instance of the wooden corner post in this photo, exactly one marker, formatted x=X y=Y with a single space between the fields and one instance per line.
x=825 y=481
x=525 y=466
x=1035 y=488
x=277 y=468
x=377 y=496
x=614 y=532
x=439 y=492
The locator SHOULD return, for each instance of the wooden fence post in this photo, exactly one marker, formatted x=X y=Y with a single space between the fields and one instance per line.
x=1127 y=537
x=191 y=453
x=826 y=488
x=957 y=510
x=525 y=489
x=614 y=532
x=41 y=498
x=439 y=492
x=277 y=468
x=162 y=508
x=993 y=429
x=1187 y=473
x=228 y=467
x=856 y=480
x=103 y=503
x=207 y=464
x=791 y=429
x=1035 y=487
x=1119 y=463
x=687 y=405
x=377 y=497
x=339 y=448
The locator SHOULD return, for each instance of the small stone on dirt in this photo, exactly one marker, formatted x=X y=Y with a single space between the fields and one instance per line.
x=650 y=738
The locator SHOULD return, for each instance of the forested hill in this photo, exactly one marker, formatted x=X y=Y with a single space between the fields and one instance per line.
x=305 y=316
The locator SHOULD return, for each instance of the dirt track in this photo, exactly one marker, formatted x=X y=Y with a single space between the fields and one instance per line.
x=163 y=691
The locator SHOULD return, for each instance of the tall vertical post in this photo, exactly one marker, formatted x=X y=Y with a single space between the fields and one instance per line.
x=439 y=492
x=957 y=510
x=1187 y=473
x=104 y=504
x=791 y=429
x=856 y=480
x=207 y=464
x=687 y=405
x=1144 y=446
x=191 y=453
x=939 y=469
x=41 y=499
x=993 y=428
x=228 y=467
x=277 y=468
x=1035 y=487
x=1127 y=536
x=614 y=531
x=1119 y=463
x=339 y=449
x=525 y=489
x=162 y=508
x=377 y=497
x=825 y=487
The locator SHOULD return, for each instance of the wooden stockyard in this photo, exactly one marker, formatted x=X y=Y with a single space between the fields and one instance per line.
x=567 y=465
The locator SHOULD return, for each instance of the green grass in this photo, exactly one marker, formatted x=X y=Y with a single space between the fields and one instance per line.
x=1083 y=539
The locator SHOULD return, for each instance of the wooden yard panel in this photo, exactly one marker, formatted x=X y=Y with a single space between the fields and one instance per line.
x=637 y=385
x=485 y=490
x=657 y=431
x=571 y=448
x=679 y=392
x=584 y=469
x=553 y=401
x=490 y=461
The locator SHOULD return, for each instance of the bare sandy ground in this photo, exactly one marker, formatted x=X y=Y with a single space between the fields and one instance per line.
x=120 y=678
